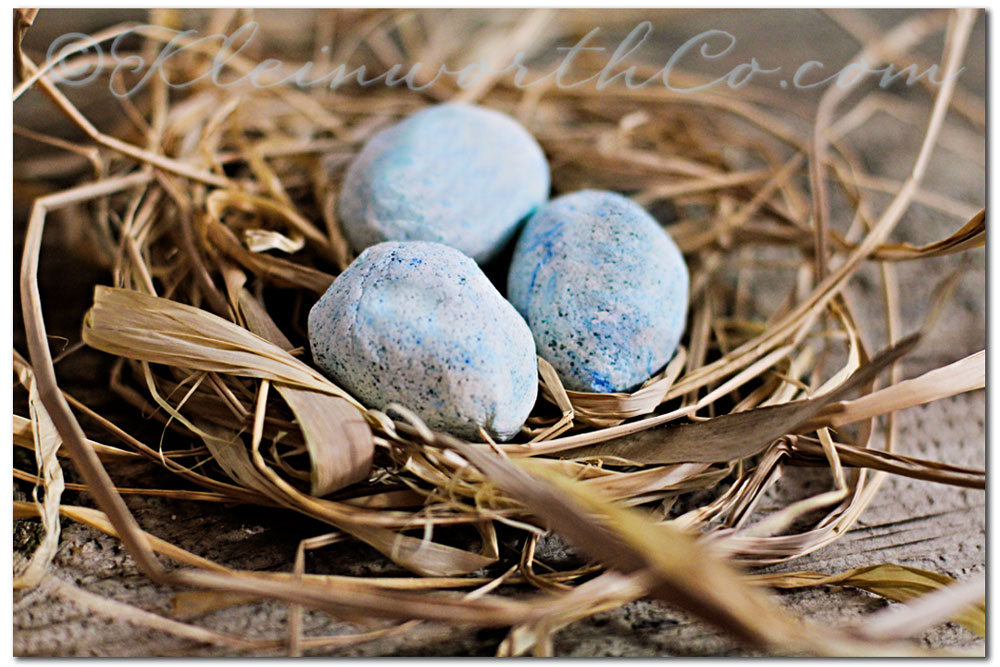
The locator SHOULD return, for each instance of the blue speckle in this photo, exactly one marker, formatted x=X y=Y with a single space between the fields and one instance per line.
x=600 y=383
x=544 y=242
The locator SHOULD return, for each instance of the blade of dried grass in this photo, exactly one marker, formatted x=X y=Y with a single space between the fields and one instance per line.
x=613 y=408
x=930 y=199
x=676 y=562
x=49 y=395
x=420 y=556
x=108 y=608
x=262 y=240
x=24 y=436
x=969 y=236
x=191 y=601
x=357 y=599
x=339 y=440
x=608 y=591
x=281 y=272
x=100 y=521
x=153 y=327
x=897 y=464
x=220 y=200
x=609 y=433
x=889 y=580
x=740 y=434
x=191 y=604
x=968 y=374
x=927 y=611
x=161 y=331
x=683 y=571
x=177 y=494
x=235 y=493
x=552 y=389
x=46 y=446
x=157 y=330
x=23 y=19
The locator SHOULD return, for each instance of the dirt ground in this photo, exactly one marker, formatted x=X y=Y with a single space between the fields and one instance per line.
x=910 y=522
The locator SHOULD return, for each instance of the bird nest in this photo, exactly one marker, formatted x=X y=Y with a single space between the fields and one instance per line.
x=214 y=207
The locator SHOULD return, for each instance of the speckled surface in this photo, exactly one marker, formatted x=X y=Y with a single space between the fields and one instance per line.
x=419 y=324
x=603 y=288
x=457 y=174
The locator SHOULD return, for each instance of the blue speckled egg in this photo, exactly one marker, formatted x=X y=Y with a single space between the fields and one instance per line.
x=603 y=288
x=419 y=324
x=456 y=174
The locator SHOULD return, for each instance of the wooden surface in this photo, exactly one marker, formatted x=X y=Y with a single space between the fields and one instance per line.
x=910 y=522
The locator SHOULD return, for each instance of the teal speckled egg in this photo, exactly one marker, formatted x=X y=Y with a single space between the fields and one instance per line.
x=456 y=174
x=419 y=324
x=603 y=288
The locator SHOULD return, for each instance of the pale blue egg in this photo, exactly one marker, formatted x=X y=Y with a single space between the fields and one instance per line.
x=603 y=288
x=462 y=175
x=419 y=324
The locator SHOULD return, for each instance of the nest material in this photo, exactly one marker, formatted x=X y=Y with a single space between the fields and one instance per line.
x=215 y=210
